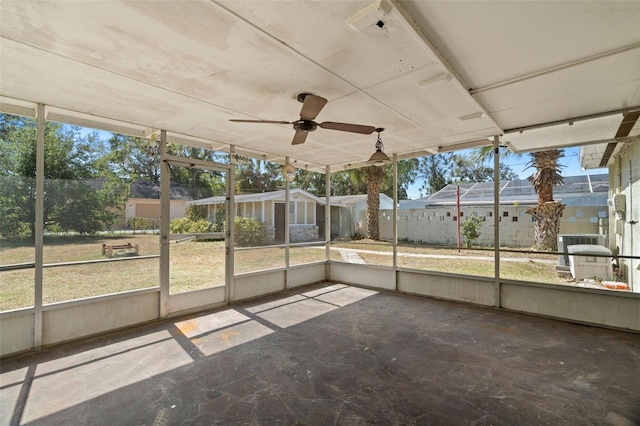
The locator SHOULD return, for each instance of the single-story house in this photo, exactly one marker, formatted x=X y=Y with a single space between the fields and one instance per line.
x=306 y=213
x=144 y=201
x=623 y=161
x=349 y=214
x=434 y=219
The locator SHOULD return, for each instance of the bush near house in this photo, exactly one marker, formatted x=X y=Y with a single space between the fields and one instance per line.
x=184 y=225
x=470 y=229
x=249 y=231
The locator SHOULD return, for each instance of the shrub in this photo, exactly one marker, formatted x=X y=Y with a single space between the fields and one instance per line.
x=196 y=213
x=249 y=231
x=218 y=221
x=184 y=225
x=140 y=223
x=470 y=229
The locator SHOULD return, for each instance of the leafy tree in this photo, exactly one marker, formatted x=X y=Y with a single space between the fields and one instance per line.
x=78 y=197
x=132 y=159
x=441 y=170
x=258 y=176
x=433 y=169
x=200 y=183
x=466 y=170
x=312 y=182
x=129 y=158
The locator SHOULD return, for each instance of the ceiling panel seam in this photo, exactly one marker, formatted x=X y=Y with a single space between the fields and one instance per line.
x=146 y=83
x=555 y=69
x=571 y=120
x=288 y=46
x=417 y=31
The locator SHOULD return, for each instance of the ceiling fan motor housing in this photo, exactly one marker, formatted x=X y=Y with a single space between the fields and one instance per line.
x=305 y=125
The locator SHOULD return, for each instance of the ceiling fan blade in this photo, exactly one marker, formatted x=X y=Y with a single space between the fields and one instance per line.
x=299 y=137
x=235 y=120
x=312 y=106
x=347 y=127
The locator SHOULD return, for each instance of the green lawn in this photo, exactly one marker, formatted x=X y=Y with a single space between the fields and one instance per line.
x=200 y=264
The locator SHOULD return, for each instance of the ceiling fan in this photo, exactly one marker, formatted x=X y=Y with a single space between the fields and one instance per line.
x=311 y=107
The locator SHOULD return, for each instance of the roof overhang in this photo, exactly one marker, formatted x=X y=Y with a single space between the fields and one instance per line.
x=438 y=76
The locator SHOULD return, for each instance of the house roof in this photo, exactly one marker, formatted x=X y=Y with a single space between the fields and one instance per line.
x=151 y=190
x=576 y=190
x=436 y=75
x=295 y=194
x=353 y=200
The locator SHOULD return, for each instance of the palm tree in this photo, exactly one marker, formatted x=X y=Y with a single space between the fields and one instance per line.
x=375 y=178
x=547 y=212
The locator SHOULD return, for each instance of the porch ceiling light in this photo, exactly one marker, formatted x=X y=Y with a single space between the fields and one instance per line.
x=379 y=158
x=288 y=172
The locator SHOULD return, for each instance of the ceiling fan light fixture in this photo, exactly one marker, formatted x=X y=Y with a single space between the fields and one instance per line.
x=288 y=172
x=379 y=158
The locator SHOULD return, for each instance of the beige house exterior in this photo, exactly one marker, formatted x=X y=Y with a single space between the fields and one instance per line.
x=306 y=213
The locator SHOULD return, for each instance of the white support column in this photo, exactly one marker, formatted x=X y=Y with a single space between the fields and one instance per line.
x=395 y=216
x=165 y=219
x=230 y=237
x=496 y=218
x=39 y=227
x=327 y=213
x=287 y=224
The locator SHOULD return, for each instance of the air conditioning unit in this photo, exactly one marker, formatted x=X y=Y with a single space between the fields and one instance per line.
x=566 y=240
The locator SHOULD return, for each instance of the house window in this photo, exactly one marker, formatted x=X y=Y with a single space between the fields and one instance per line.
x=300 y=211
x=489 y=214
x=461 y=214
x=448 y=214
x=311 y=213
x=292 y=212
x=514 y=219
x=505 y=214
x=455 y=218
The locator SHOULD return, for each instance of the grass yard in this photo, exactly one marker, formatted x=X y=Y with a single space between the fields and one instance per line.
x=535 y=267
x=193 y=265
x=200 y=264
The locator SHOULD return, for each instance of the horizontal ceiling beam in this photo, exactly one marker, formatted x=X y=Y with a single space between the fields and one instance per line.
x=556 y=68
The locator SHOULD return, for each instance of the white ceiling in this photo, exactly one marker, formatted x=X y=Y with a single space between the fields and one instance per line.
x=189 y=66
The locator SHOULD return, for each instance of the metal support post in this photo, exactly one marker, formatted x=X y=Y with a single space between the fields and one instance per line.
x=395 y=219
x=39 y=227
x=165 y=218
x=496 y=218
x=230 y=237
x=287 y=228
x=327 y=219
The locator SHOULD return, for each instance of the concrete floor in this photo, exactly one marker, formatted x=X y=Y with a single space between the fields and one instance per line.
x=333 y=354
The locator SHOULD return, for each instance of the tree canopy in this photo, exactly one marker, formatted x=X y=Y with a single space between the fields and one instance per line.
x=79 y=194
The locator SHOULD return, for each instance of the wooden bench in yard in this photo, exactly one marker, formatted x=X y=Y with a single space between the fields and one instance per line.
x=120 y=250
